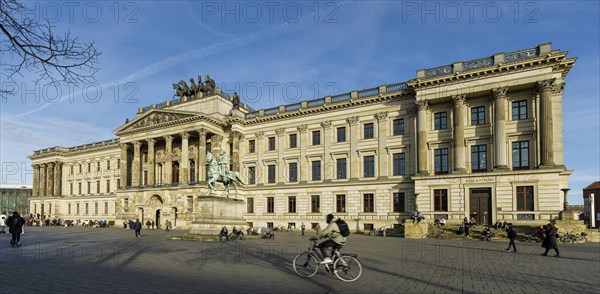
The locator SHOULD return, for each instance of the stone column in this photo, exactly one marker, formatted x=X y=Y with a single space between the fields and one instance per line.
x=42 y=192
x=354 y=133
x=50 y=179
x=260 y=167
x=382 y=160
x=235 y=157
x=201 y=156
x=546 y=123
x=184 y=165
x=500 y=153
x=123 y=167
x=135 y=166
x=57 y=179
x=422 y=137
x=279 y=167
x=328 y=165
x=302 y=162
x=36 y=180
x=459 y=133
x=216 y=141
x=168 y=166
x=151 y=164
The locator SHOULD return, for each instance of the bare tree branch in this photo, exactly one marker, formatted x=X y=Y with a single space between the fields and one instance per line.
x=31 y=45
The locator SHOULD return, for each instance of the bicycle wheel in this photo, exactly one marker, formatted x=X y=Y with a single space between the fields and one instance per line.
x=581 y=240
x=305 y=265
x=347 y=268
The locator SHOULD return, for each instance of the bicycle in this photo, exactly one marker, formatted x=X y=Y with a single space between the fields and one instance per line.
x=571 y=237
x=346 y=267
x=377 y=232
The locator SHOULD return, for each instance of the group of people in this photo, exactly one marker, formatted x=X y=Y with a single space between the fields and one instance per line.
x=235 y=234
x=548 y=233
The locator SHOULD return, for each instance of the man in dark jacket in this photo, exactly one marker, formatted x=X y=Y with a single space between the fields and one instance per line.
x=512 y=235
x=550 y=240
x=137 y=226
x=15 y=225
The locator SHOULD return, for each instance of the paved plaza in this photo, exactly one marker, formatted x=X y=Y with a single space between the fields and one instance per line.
x=85 y=260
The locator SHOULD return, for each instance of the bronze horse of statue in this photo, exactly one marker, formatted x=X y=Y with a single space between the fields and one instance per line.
x=215 y=175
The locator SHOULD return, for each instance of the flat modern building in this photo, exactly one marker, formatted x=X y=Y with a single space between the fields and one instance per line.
x=15 y=197
x=480 y=138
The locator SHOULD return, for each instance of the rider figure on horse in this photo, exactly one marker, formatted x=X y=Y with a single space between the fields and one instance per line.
x=223 y=163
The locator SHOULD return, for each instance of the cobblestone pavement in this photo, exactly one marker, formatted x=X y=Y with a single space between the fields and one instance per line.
x=87 y=260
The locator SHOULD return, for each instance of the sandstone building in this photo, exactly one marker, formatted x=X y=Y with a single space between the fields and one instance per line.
x=480 y=138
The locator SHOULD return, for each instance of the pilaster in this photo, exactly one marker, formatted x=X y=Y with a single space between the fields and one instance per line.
x=123 y=167
x=135 y=169
x=500 y=144
x=151 y=164
x=546 y=122
x=42 y=192
x=303 y=161
x=201 y=156
x=422 y=159
x=184 y=165
x=36 y=180
x=168 y=166
x=354 y=138
x=382 y=160
x=459 y=133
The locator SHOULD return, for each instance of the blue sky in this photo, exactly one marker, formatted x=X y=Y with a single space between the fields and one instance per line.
x=275 y=53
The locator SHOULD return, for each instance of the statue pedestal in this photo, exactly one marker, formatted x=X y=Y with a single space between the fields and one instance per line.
x=215 y=212
x=569 y=222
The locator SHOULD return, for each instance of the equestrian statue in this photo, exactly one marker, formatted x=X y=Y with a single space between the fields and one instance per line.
x=218 y=171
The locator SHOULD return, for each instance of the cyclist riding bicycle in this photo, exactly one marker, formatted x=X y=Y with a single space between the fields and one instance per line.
x=333 y=235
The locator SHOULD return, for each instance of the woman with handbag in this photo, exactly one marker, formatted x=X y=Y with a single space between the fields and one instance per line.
x=550 y=240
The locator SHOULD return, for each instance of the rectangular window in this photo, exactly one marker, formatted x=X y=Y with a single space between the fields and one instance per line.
x=440 y=200
x=105 y=207
x=316 y=170
x=71 y=169
x=316 y=137
x=126 y=204
x=80 y=168
x=478 y=115
x=69 y=208
x=108 y=164
x=79 y=191
x=292 y=204
x=270 y=205
x=87 y=208
x=399 y=161
x=520 y=155
x=519 y=110
x=293 y=172
x=315 y=204
x=251 y=146
x=95 y=208
x=398 y=126
x=369 y=132
x=441 y=161
x=271 y=143
x=478 y=158
x=97 y=187
x=107 y=186
x=98 y=166
x=89 y=169
x=399 y=202
x=190 y=203
x=525 y=198
x=252 y=175
x=77 y=210
x=250 y=205
x=340 y=203
x=369 y=166
x=271 y=173
x=341 y=168
x=341 y=134
x=70 y=188
x=118 y=183
x=440 y=120
x=368 y=202
x=293 y=140
x=89 y=187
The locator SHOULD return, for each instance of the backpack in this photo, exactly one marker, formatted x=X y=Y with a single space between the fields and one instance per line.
x=344 y=230
x=16 y=222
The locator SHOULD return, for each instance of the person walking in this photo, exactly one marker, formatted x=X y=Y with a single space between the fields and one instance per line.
x=137 y=226
x=302 y=228
x=152 y=223
x=168 y=225
x=15 y=225
x=550 y=240
x=512 y=235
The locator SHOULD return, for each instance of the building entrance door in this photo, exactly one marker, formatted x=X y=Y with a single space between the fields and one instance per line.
x=481 y=205
x=157 y=218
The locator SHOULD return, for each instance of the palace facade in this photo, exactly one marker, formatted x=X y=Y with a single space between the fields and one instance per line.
x=480 y=138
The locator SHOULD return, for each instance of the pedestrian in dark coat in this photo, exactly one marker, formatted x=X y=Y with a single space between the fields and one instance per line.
x=512 y=235
x=137 y=226
x=550 y=240
x=15 y=225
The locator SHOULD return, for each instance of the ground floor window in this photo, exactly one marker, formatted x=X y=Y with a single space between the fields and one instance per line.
x=440 y=198
x=525 y=198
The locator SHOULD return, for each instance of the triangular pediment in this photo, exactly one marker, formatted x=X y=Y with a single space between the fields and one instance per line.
x=155 y=119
